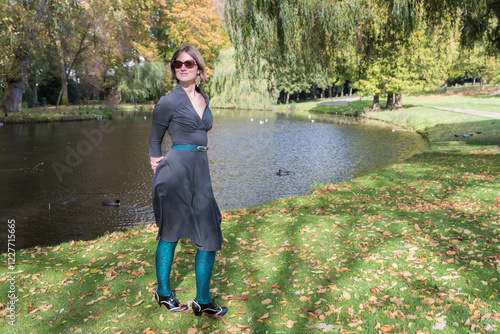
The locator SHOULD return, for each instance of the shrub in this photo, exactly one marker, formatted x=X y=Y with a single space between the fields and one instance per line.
x=28 y=97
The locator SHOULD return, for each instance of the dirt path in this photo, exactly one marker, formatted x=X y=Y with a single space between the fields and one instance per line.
x=480 y=113
x=342 y=102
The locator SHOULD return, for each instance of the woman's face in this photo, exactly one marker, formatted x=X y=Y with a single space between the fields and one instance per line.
x=184 y=74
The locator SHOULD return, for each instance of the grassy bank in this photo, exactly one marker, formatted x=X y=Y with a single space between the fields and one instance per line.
x=67 y=113
x=411 y=248
x=484 y=101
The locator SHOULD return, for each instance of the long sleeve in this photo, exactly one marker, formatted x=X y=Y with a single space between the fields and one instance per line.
x=161 y=118
x=155 y=139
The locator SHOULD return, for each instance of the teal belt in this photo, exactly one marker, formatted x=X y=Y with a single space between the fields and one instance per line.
x=190 y=148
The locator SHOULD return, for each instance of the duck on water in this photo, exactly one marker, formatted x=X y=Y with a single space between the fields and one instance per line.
x=111 y=203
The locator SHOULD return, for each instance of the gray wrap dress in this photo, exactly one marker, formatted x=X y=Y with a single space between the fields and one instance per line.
x=183 y=201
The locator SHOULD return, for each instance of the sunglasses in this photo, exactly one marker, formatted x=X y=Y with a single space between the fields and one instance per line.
x=188 y=63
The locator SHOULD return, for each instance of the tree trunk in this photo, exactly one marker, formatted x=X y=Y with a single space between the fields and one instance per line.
x=63 y=93
x=350 y=92
x=398 y=103
x=65 y=69
x=287 y=97
x=390 y=100
x=35 y=93
x=314 y=92
x=65 y=97
x=330 y=92
x=16 y=78
x=13 y=96
x=376 y=103
x=322 y=93
x=445 y=86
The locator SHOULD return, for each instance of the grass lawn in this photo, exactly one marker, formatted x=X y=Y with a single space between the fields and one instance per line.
x=421 y=118
x=410 y=248
x=475 y=102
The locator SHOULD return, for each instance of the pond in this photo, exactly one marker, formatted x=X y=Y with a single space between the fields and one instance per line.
x=54 y=176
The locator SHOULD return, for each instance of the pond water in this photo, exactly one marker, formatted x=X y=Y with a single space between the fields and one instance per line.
x=54 y=176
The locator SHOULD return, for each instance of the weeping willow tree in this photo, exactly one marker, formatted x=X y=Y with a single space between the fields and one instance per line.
x=298 y=37
x=479 y=20
x=395 y=62
x=359 y=35
x=143 y=82
x=241 y=87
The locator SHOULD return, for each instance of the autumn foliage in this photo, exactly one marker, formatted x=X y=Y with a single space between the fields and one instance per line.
x=196 y=22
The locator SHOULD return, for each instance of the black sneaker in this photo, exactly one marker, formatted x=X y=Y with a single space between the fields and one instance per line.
x=170 y=302
x=210 y=309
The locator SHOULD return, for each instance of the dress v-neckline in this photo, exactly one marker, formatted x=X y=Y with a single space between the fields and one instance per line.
x=192 y=105
x=202 y=113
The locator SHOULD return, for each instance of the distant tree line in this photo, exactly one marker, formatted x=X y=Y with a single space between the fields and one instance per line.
x=70 y=51
x=66 y=51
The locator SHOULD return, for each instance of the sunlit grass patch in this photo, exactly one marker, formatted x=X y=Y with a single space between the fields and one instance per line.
x=482 y=102
x=420 y=118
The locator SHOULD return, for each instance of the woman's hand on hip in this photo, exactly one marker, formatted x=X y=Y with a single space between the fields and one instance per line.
x=154 y=162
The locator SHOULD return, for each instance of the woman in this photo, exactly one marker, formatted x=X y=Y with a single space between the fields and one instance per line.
x=183 y=200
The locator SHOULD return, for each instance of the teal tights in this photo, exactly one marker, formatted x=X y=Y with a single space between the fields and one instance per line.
x=203 y=266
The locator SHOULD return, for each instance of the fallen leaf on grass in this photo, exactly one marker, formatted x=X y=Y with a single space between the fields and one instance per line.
x=325 y=327
x=215 y=316
x=290 y=323
x=489 y=327
x=428 y=301
x=346 y=295
x=307 y=309
x=266 y=301
x=439 y=325
x=387 y=328
x=264 y=317
x=239 y=298
x=92 y=302
x=138 y=303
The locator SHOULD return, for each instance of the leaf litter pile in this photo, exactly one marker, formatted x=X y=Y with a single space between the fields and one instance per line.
x=411 y=248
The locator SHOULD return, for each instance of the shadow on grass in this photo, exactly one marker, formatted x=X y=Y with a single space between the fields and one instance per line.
x=378 y=225
x=405 y=246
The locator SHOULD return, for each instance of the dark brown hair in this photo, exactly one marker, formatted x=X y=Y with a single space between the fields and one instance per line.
x=193 y=52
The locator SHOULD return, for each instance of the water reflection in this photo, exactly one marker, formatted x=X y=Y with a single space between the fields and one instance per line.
x=54 y=196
